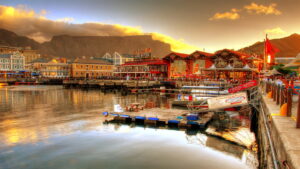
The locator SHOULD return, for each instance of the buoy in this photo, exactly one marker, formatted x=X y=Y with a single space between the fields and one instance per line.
x=283 y=109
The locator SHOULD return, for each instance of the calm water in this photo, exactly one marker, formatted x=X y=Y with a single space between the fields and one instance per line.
x=51 y=127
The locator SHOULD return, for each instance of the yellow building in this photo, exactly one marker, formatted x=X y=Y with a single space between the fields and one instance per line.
x=30 y=55
x=91 y=68
x=50 y=68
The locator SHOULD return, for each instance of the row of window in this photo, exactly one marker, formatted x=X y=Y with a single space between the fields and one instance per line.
x=54 y=74
x=13 y=60
x=93 y=74
x=92 y=67
x=17 y=67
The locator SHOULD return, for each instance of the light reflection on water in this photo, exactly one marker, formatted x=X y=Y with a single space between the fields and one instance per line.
x=51 y=127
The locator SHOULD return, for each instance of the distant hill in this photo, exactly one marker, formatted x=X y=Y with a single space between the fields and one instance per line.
x=288 y=46
x=8 y=38
x=77 y=46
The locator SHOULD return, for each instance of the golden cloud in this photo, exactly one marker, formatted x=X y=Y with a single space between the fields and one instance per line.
x=28 y=23
x=261 y=9
x=232 y=15
x=275 y=31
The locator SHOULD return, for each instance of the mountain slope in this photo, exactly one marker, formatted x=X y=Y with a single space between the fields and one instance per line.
x=288 y=46
x=8 y=38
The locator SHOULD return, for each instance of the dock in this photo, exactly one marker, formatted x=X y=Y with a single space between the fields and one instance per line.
x=160 y=117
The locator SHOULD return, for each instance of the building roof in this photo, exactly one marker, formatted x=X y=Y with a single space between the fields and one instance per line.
x=243 y=55
x=201 y=54
x=92 y=61
x=41 y=60
x=103 y=59
x=5 y=55
x=146 y=62
x=180 y=55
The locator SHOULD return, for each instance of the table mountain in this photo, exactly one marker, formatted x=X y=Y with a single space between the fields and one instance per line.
x=77 y=46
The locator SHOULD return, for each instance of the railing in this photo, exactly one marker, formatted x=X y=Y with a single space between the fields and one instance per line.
x=283 y=94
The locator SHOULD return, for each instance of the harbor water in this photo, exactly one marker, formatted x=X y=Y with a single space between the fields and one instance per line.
x=51 y=127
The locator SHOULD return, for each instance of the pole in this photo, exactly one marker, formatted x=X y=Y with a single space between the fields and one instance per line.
x=265 y=64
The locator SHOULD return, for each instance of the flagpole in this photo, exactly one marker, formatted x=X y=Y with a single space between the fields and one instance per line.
x=265 y=64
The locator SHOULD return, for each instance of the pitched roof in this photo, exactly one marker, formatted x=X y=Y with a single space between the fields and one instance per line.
x=5 y=55
x=91 y=61
x=202 y=53
x=146 y=62
x=234 y=52
x=181 y=55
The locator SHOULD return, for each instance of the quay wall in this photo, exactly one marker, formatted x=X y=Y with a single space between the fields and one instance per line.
x=284 y=134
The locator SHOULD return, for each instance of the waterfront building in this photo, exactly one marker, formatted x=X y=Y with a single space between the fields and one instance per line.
x=117 y=58
x=49 y=68
x=29 y=54
x=9 y=49
x=177 y=65
x=91 y=68
x=147 y=68
x=229 y=64
x=11 y=63
x=223 y=64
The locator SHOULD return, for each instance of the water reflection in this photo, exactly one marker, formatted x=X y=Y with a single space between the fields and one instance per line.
x=39 y=124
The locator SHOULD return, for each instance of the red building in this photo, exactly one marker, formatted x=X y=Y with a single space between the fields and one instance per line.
x=224 y=64
x=178 y=64
x=147 y=68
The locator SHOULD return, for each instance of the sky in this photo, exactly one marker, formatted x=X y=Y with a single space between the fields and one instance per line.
x=188 y=25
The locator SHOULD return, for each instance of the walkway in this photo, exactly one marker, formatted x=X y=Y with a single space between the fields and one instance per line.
x=284 y=133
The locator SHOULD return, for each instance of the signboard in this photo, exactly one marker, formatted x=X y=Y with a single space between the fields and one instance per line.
x=233 y=100
x=243 y=86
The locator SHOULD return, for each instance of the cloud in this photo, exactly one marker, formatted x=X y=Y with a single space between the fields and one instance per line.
x=66 y=19
x=232 y=15
x=27 y=22
x=275 y=31
x=261 y=9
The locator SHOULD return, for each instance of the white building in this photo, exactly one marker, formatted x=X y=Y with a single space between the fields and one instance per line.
x=117 y=58
x=12 y=62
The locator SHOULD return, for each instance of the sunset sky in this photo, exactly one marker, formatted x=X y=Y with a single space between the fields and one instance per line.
x=186 y=24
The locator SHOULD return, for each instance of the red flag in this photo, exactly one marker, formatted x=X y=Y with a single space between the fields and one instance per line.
x=270 y=51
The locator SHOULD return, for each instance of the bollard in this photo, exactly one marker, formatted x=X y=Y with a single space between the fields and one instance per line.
x=298 y=113
x=275 y=92
x=289 y=101
x=278 y=95
x=282 y=100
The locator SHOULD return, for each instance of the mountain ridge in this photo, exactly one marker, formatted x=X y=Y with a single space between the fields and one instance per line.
x=76 y=46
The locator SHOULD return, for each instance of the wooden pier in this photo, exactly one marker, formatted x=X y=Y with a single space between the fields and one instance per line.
x=156 y=117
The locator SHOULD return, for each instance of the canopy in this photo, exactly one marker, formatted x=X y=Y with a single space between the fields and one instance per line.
x=228 y=67
x=212 y=67
x=246 y=67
